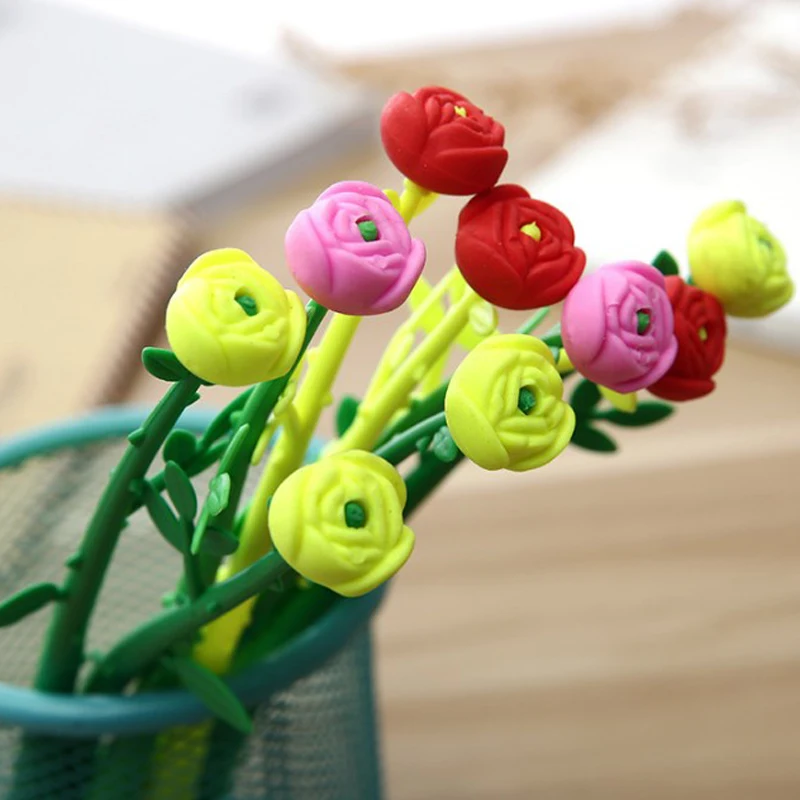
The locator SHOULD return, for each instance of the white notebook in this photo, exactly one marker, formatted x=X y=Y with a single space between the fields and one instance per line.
x=101 y=112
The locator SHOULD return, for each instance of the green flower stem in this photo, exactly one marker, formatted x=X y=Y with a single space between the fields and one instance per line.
x=433 y=403
x=192 y=573
x=420 y=410
x=63 y=651
x=255 y=413
x=530 y=325
x=424 y=479
x=141 y=648
x=404 y=444
x=199 y=464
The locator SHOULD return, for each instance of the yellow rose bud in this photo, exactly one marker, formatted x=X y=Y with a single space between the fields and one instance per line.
x=231 y=323
x=735 y=258
x=504 y=405
x=339 y=522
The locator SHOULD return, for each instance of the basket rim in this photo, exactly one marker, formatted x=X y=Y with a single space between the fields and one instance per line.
x=89 y=716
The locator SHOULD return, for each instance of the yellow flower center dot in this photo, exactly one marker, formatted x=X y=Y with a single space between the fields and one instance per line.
x=703 y=334
x=461 y=111
x=532 y=230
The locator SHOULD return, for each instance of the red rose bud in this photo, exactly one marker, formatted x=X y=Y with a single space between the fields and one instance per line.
x=442 y=142
x=517 y=252
x=700 y=329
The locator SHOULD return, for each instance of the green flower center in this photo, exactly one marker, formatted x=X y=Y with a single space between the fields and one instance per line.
x=368 y=229
x=248 y=304
x=526 y=401
x=460 y=110
x=355 y=515
x=703 y=334
x=642 y=321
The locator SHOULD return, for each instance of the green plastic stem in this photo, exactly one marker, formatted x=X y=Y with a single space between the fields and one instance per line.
x=140 y=649
x=256 y=412
x=192 y=573
x=405 y=444
x=433 y=403
x=63 y=651
x=420 y=410
x=535 y=321
x=424 y=479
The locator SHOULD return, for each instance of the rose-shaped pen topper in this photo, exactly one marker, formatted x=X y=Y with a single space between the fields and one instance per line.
x=517 y=252
x=352 y=252
x=504 y=405
x=700 y=330
x=617 y=326
x=443 y=142
x=339 y=522
x=734 y=257
x=231 y=323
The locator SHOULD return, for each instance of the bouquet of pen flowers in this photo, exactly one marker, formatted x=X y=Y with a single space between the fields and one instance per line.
x=329 y=520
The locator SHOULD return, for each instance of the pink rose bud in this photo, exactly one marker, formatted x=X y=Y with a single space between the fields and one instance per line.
x=351 y=251
x=617 y=326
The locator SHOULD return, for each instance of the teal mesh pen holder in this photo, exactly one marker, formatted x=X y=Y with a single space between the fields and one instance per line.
x=315 y=732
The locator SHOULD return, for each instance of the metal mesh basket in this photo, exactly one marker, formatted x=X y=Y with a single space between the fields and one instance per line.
x=314 y=734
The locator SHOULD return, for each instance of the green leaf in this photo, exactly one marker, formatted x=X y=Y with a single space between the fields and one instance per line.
x=180 y=447
x=211 y=690
x=646 y=414
x=180 y=490
x=584 y=398
x=233 y=448
x=137 y=437
x=423 y=443
x=346 y=413
x=164 y=364
x=553 y=337
x=27 y=601
x=219 y=492
x=590 y=438
x=167 y=524
x=666 y=264
x=223 y=422
x=218 y=541
x=443 y=446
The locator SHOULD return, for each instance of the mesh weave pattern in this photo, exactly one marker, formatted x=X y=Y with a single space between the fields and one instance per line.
x=312 y=741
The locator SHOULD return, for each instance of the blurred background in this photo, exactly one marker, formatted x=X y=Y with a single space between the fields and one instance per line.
x=610 y=627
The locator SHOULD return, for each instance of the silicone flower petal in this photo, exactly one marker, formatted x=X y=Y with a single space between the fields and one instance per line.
x=231 y=323
x=339 y=522
x=517 y=252
x=504 y=405
x=735 y=258
x=700 y=329
x=443 y=142
x=617 y=326
x=352 y=252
